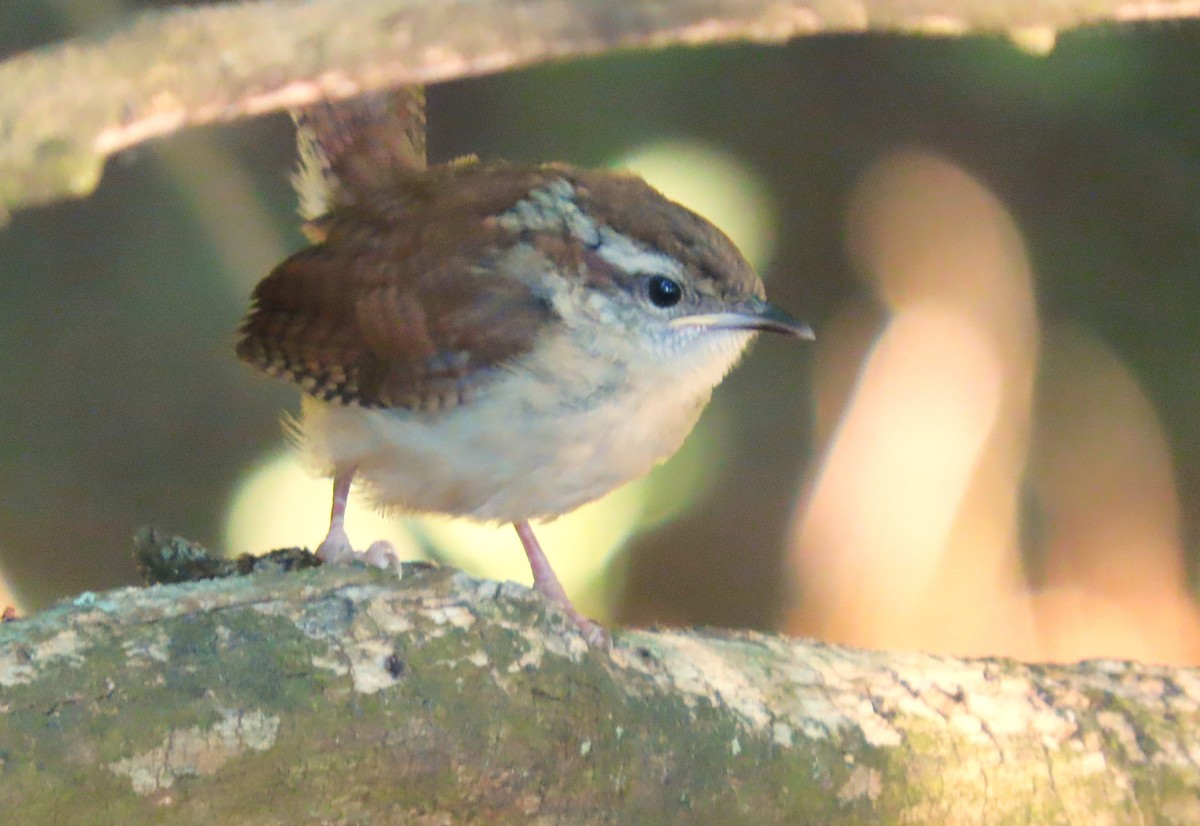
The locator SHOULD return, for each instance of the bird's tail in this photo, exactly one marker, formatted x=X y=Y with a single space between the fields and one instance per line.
x=350 y=146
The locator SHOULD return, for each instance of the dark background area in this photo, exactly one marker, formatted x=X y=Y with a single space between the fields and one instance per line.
x=121 y=402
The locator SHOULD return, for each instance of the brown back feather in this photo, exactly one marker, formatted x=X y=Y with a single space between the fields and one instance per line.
x=388 y=310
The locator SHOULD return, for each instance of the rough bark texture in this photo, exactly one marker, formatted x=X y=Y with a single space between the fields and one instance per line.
x=64 y=109
x=353 y=697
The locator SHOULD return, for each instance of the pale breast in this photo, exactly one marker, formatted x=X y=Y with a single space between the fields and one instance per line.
x=526 y=450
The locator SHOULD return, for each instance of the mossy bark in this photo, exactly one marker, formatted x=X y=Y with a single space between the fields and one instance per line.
x=356 y=697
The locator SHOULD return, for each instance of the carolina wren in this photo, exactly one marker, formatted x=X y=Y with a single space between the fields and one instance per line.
x=502 y=342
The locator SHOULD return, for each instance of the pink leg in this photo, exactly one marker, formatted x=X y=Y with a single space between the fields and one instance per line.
x=336 y=549
x=547 y=584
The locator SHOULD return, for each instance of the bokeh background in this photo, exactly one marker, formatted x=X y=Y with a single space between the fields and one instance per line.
x=993 y=448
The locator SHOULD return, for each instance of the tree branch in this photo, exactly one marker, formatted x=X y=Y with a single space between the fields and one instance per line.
x=63 y=110
x=351 y=696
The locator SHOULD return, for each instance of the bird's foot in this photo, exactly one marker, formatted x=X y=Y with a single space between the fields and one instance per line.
x=336 y=549
x=595 y=634
x=545 y=581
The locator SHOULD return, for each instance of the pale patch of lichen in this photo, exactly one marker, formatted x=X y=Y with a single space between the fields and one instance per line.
x=196 y=752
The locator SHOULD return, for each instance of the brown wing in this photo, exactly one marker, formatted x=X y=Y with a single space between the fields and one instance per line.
x=390 y=316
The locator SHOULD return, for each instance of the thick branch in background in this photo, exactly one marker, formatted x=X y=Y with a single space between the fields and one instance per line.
x=63 y=110
x=340 y=696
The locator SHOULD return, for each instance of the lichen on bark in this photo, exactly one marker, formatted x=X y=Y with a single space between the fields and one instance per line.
x=341 y=695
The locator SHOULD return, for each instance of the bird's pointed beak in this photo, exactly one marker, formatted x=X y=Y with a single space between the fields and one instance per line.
x=755 y=314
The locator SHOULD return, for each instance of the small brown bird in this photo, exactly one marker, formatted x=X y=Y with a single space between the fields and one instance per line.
x=498 y=341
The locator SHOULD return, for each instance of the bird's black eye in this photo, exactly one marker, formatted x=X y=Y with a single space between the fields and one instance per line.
x=664 y=292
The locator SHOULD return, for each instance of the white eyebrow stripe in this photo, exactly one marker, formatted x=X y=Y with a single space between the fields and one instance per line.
x=553 y=208
x=633 y=258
